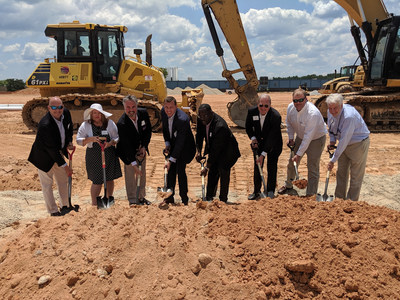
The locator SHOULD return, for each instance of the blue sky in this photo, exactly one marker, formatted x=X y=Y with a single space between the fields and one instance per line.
x=286 y=37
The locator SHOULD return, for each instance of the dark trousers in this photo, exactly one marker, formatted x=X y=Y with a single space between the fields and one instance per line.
x=178 y=168
x=272 y=170
x=223 y=175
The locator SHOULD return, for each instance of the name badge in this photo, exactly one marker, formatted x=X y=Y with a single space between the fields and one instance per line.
x=256 y=118
x=104 y=132
x=143 y=123
x=210 y=135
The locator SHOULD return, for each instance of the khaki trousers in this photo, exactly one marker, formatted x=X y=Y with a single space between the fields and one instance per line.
x=131 y=183
x=351 y=163
x=46 y=180
x=313 y=152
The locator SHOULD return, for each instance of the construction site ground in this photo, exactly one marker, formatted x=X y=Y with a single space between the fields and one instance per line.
x=289 y=247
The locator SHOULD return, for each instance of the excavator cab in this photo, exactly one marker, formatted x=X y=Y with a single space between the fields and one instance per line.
x=385 y=58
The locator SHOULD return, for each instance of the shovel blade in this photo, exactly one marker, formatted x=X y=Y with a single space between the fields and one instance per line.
x=324 y=198
x=164 y=193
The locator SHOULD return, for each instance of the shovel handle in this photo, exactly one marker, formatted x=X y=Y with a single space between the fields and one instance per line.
x=70 y=153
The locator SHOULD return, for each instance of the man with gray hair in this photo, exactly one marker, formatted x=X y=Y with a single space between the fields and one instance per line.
x=134 y=129
x=263 y=127
x=348 y=128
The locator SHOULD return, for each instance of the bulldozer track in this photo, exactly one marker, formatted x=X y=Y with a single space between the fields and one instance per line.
x=381 y=111
x=36 y=108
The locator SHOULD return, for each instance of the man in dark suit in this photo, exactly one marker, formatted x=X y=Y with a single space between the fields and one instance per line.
x=53 y=137
x=263 y=126
x=134 y=129
x=179 y=145
x=221 y=147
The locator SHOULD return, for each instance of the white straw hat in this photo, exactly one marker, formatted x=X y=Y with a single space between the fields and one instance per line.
x=98 y=107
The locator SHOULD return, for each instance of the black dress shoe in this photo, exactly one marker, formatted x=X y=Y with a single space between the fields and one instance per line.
x=65 y=210
x=170 y=200
x=144 y=201
x=254 y=196
x=56 y=214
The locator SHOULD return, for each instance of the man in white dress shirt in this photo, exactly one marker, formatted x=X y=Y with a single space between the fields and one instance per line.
x=306 y=121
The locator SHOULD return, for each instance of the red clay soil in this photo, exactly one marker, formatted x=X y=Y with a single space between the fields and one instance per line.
x=287 y=248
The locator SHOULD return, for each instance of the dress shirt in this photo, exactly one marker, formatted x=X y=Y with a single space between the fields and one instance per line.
x=308 y=124
x=60 y=126
x=348 y=128
x=262 y=119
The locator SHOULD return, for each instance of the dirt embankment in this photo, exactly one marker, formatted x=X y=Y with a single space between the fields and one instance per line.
x=288 y=247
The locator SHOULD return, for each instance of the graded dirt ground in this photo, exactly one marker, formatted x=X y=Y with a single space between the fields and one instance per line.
x=290 y=247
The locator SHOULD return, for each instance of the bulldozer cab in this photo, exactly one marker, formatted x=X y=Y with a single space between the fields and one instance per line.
x=103 y=46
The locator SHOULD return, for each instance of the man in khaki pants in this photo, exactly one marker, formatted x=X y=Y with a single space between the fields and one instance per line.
x=53 y=138
x=348 y=128
x=306 y=121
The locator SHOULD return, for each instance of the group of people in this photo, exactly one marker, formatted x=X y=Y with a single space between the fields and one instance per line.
x=129 y=140
x=348 y=134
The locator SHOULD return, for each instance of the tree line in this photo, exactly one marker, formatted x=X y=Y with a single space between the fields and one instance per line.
x=12 y=84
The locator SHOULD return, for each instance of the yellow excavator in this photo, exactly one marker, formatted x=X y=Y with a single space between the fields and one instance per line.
x=378 y=102
x=91 y=67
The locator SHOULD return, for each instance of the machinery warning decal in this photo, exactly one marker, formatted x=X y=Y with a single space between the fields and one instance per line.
x=64 y=70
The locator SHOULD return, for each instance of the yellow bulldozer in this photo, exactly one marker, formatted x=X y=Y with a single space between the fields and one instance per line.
x=91 y=67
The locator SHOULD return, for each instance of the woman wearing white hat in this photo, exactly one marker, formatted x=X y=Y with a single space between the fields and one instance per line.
x=96 y=124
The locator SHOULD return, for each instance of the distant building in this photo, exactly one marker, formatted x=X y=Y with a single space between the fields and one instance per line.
x=172 y=74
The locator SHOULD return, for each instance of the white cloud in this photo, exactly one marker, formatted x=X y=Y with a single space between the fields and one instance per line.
x=39 y=51
x=12 y=48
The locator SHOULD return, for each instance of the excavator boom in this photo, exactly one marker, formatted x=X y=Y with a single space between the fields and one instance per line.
x=378 y=102
x=227 y=15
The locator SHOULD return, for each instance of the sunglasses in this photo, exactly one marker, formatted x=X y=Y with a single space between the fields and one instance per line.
x=263 y=105
x=298 y=100
x=53 y=107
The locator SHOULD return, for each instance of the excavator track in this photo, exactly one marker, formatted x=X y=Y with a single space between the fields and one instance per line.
x=381 y=111
x=35 y=109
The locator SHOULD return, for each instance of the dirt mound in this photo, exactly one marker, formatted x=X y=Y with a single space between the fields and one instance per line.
x=288 y=247
x=28 y=91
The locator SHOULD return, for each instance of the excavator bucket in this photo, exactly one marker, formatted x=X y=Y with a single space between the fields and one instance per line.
x=237 y=109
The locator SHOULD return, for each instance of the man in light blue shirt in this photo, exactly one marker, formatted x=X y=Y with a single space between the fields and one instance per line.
x=348 y=128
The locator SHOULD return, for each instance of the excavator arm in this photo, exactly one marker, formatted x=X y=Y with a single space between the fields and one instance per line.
x=227 y=15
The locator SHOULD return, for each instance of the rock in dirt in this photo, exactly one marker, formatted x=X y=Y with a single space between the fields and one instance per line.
x=43 y=280
x=305 y=266
x=204 y=260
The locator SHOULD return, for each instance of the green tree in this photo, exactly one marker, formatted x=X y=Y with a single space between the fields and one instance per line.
x=14 y=84
x=164 y=71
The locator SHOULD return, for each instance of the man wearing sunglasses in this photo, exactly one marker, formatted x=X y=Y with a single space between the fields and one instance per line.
x=263 y=126
x=54 y=136
x=348 y=128
x=306 y=121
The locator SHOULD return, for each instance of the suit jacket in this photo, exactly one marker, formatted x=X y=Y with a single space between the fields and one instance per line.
x=270 y=136
x=131 y=139
x=46 y=150
x=182 y=141
x=222 y=147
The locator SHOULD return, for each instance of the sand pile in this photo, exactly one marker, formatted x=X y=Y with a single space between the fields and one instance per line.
x=206 y=90
x=288 y=248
